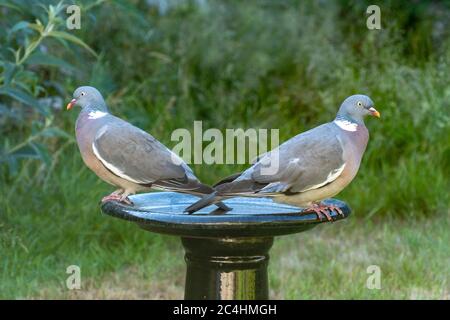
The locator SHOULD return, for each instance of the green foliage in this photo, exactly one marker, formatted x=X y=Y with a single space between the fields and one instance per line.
x=262 y=64
x=23 y=59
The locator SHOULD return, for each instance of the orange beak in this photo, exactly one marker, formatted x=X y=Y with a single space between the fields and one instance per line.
x=374 y=112
x=71 y=104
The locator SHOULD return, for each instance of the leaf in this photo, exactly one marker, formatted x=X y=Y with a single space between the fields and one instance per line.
x=16 y=53
x=23 y=97
x=12 y=165
x=55 y=132
x=19 y=26
x=37 y=26
x=9 y=5
x=71 y=38
x=131 y=11
x=101 y=76
x=42 y=152
x=9 y=70
x=33 y=150
x=26 y=152
x=6 y=115
x=38 y=58
x=3 y=110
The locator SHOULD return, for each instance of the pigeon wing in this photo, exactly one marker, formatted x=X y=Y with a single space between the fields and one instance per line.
x=135 y=155
x=307 y=161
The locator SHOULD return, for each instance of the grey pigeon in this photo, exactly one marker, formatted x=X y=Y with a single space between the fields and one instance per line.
x=126 y=156
x=310 y=167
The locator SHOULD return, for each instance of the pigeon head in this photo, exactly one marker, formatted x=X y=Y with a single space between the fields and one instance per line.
x=356 y=107
x=88 y=98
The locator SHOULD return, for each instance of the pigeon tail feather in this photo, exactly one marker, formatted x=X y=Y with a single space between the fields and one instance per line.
x=204 y=202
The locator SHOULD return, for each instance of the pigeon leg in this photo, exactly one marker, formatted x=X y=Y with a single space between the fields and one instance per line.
x=321 y=210
x=124 y=198
x=113 y=196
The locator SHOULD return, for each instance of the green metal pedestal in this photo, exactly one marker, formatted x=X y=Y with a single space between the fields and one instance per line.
x=227 y=253
x=224 y=269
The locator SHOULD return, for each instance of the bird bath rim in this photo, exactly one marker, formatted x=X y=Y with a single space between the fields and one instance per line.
x=162 y=212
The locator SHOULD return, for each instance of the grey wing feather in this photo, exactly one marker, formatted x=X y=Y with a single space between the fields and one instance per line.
x=133 y=154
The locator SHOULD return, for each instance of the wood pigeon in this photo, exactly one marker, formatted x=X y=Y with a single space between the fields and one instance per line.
x=310 y=167
x=126 y=156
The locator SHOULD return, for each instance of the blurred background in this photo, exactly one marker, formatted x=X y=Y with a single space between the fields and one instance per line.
x=161 y=64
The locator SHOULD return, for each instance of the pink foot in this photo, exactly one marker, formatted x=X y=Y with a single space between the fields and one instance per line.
x=111 y=197
x=117 y=197
x=324 y=210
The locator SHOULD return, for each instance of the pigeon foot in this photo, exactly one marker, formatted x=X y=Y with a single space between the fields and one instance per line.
x=112 y=197
x=324 y=210
x=126 y=200
x=119 y=195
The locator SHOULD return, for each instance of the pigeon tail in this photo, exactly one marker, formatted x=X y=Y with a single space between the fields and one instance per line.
x=207 y=190
x=194 y=188
x=206 y=201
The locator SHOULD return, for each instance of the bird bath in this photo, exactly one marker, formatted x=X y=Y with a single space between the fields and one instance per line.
x=227 y=253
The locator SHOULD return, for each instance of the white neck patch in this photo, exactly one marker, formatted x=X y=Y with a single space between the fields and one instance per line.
x=96 y=114
x=346 y=125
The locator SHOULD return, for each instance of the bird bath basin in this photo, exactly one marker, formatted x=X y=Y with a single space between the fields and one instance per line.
x=226 y=252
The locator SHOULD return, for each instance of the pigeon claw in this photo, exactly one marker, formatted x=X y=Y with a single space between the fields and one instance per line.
x=126 y=200
x=322 y=210
x=337 y=209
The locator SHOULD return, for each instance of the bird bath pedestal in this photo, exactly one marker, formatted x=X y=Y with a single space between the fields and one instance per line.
x=227 y=253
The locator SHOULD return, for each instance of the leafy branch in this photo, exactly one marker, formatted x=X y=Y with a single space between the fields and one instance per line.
x=20 y=82
x=48 y=31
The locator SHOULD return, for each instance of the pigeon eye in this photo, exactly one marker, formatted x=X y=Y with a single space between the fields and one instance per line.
x=359 y=104
x=83 y=93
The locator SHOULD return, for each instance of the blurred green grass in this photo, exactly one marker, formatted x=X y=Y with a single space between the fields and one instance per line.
x=285 y=65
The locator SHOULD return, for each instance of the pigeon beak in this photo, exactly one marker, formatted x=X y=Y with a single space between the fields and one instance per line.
x=71 y=104
x=374 y=112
